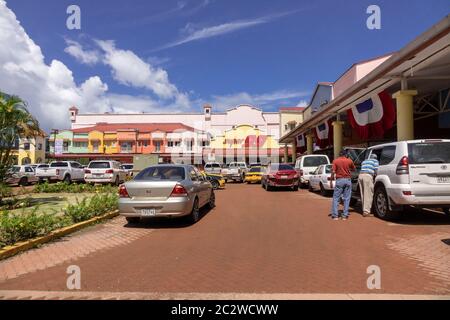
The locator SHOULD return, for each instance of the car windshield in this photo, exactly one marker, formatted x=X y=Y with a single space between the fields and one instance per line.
x=256 y=169
x=99 y=165
x=429 y=152
x=314 y=161
x=280 y=167
x=161 y=174
x=58 y=164
x=15 y=169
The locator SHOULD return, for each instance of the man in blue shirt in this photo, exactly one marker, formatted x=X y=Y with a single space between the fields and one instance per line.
x=366 y=179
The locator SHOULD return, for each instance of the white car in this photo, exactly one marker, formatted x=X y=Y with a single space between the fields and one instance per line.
x=21 y=175
x=235 y=171
x=128 y=168
x=307 y=164
x=104 y=171
x=320 y=179
x=213 y=167
x=66 y=171
x=414 y=172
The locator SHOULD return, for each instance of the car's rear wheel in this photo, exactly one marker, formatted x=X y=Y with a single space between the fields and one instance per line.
x=215 y=184
x=67 y=179
x=381 y=204
x=323 y=192
x=133 y=219
x=23 y=181
x=446 y=211
x=212 y=200
x=195 y=213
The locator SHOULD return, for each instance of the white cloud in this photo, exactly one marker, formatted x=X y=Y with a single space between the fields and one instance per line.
x=75 y=49
x=49 y=89
x=271 y=100
x=128 y=69
x=302 y=103
x=214 y=31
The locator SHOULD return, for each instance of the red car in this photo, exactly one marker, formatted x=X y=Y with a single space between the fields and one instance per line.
x=280 y=175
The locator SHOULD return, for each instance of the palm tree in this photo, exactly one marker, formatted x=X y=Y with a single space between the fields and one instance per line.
x=15 y=121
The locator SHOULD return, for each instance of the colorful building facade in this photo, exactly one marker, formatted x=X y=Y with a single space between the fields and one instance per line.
x=239 y=133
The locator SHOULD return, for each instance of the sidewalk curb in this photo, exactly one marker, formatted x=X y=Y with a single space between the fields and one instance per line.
x=19 y=247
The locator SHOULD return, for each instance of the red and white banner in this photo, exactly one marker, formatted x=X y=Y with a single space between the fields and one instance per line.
x=301 y=143
x=372 y=117
x=324 y=134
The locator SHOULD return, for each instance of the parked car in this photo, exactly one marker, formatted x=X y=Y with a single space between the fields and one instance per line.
x=128 y=169
x=213 y=167
x=66 y=171
x=254 y=175
x=235 y=171
x=217 y=181
x=280 y=175
x=166 y=191
x=320 y=179
x=21 y=175
x=104 y=171
x=415 y=172
x=307 y=164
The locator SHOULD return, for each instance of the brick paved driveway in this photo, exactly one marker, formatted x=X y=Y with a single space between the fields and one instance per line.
x=253 y=242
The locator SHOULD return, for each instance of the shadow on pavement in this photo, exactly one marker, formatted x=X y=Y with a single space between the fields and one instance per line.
x=417 y=216
x=167 y=223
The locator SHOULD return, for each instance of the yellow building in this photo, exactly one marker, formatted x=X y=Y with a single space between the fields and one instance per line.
x=111 y=144
x=96 y=142
x=32 y=150
x=244 y=143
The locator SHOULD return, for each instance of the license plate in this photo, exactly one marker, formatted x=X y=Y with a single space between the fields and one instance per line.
x=148 y=212
x=443 y=179
x=284 y=177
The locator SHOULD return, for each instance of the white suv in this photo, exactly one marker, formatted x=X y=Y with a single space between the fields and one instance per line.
x=104 y=171
x=415 y=172
x=307 y=164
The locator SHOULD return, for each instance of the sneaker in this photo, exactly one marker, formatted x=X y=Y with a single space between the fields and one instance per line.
x=335 y=218
x=344 y=218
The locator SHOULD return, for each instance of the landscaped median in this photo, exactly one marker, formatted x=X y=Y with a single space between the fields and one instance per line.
x=51 y=211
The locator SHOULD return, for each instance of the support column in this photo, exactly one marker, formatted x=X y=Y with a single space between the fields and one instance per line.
x=294 y=150
x=337 y=137
x=310 y=143
x=405 y=114
x=286 y=153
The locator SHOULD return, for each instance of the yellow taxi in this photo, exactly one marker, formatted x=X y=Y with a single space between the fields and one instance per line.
x=254 y=175
x=217 y=180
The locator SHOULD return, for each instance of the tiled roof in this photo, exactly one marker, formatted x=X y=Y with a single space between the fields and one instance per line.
x=141 y=127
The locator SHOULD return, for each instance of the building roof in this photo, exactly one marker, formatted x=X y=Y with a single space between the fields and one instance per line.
x=141 y=127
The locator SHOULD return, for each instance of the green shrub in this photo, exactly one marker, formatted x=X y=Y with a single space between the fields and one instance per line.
x=5 y=191
x=92 y=207
x=15 y=227
x=73 y=188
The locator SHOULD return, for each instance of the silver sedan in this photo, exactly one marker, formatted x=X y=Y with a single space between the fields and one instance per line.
x=166 y=191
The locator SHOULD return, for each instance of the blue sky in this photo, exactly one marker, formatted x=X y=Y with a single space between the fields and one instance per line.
x=270 y=53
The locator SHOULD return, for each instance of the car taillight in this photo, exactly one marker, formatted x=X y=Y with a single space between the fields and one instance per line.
x=123 y=193
x=403 y=166
x=179 y=191
x=301 y=172
x=110 y=171
x=87 y=171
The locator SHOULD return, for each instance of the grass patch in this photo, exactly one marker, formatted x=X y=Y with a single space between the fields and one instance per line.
x=24 y=224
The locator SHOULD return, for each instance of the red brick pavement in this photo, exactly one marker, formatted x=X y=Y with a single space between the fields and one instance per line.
x=253 y=242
